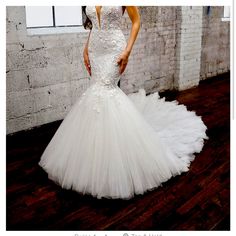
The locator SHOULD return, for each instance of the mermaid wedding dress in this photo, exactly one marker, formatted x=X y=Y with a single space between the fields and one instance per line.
x=114 y=145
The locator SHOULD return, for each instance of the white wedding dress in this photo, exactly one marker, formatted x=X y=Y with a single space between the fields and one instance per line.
x=114 y=145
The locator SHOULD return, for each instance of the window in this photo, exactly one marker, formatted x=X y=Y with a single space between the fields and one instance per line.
x=226 y=14
x=53 y=19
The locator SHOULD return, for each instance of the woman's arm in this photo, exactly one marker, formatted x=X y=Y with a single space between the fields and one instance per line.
x=135 y=18
x=86 y=57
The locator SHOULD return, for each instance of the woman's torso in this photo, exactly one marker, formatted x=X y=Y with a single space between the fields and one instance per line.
x=107 y=40
x=106 y=36
x=110 y=17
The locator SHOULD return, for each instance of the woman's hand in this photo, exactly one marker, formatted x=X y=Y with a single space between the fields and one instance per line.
x=123 y=61
x=86 y=60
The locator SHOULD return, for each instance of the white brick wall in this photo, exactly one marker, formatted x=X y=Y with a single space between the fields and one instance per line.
x=46 y=75
x=188 y=51
x=215 y=53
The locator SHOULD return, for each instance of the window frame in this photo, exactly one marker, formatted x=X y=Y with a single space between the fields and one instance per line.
x=54 y=29
x=226 y=17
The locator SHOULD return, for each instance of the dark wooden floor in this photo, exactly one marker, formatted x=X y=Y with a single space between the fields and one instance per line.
x=197 y=200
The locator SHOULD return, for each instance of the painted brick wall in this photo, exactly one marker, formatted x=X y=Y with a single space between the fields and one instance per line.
x=215 y=56
x=152 y=64
x=45 y=74
x=188 y=50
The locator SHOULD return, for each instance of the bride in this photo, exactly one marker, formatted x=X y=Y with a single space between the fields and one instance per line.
x=114 y=145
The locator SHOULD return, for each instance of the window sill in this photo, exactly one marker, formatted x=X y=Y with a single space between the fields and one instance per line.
x=225 y=19
x=56 y=30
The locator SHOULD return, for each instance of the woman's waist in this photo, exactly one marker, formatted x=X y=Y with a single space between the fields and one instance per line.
x=107 y=35
x=102 y=40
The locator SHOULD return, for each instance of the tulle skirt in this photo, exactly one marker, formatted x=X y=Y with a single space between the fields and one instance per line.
x=114 y=145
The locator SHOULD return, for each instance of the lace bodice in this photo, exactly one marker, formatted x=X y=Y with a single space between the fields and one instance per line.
x=106 y=44
x=110 y=17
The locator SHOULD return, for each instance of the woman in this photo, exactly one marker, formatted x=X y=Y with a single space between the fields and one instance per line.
x=112 y=145
x=123 y=59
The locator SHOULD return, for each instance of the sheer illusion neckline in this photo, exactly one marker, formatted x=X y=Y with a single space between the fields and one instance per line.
x=99 y=16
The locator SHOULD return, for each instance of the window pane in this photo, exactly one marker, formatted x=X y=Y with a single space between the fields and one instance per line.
x=226 y=11
x=38 y=16
x=71 y=15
